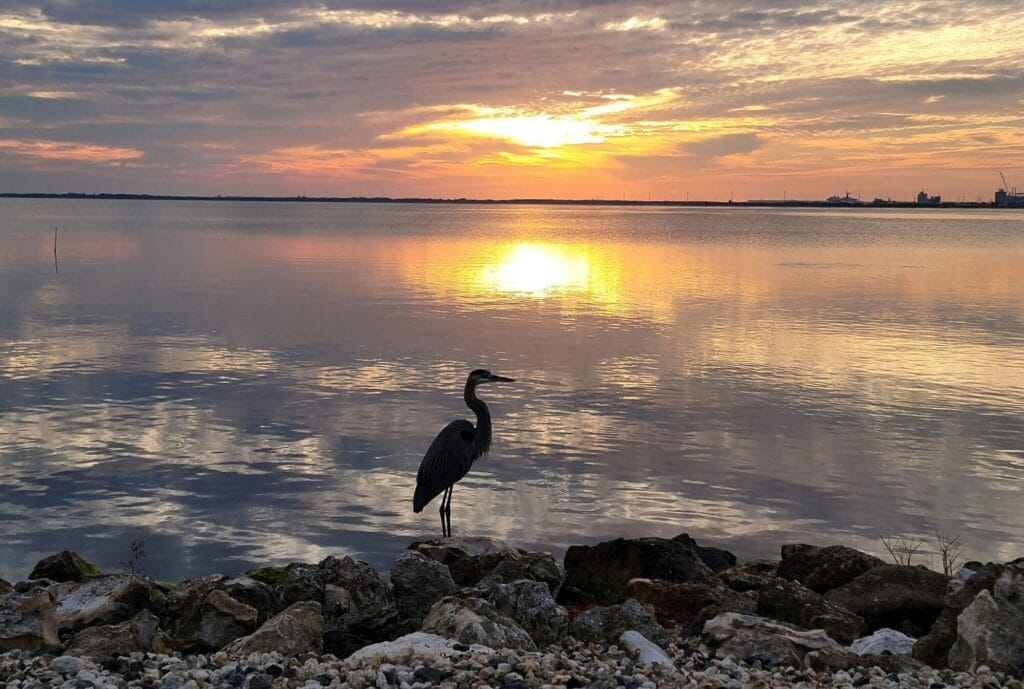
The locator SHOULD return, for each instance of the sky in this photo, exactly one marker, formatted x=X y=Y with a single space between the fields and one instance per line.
x=744 y=99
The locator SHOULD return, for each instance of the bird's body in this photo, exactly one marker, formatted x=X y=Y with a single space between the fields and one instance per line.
x=454 y=450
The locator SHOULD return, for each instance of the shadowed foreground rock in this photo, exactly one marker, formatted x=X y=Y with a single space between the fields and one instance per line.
x=688 y=605
x=603 y=571
x=772 y=643
x=299 y=629
x=990 y=631
x=822 y=569
x=790 y=601
x=418 y=582
x=473 y=620
x=608 y=623
x=896 y=596
x=141 y=633
x=28 y=621
x=933 y=648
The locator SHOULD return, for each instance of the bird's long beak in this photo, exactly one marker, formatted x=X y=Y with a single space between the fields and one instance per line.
x=500 y=379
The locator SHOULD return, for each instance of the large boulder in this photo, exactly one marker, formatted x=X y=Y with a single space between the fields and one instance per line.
x=302 y=582
x=990 y=631
x=214 y=622
x=28 y=621
x=604 y=570
x=298 y=629
x=418 y=582
x=717 y=559
x=832 y=661
x=933 y=648
x=473 y=620
x=823 y=569
x=608 y=623
x=142 y=633
x=257 y=595
x=358 y=606
x=688 y=605
x=5 y=587
x=405 y=650
x=106 y=600
x=896 y=596
x=527 y=565
x=756 y=638
x=66 y=565
x=750 y=576
x=471 y=559
x=791 y=601
x=533 y=608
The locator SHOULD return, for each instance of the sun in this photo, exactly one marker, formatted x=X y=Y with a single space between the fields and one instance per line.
x=536 y=131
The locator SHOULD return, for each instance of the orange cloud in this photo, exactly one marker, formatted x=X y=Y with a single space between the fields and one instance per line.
x=69 y=150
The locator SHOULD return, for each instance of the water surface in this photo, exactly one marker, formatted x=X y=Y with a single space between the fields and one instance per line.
x=250 y=383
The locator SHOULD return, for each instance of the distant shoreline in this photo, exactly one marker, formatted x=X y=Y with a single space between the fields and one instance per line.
x=503 y=202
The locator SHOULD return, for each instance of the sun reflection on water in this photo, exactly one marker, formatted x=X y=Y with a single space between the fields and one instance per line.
x=538 y=270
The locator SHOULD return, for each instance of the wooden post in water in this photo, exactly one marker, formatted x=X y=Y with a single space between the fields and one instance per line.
x=56 y=270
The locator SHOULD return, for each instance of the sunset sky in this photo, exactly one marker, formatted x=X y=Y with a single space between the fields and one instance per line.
x=513 y=98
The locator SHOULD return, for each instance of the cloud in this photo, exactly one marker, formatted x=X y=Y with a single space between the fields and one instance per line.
x=62 y=150
x=724 y=145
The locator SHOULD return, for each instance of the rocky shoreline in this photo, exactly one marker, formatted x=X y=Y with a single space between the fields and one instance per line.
x=474 y=613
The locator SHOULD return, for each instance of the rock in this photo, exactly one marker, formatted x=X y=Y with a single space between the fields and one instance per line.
x=105 y=600
x=473 y=620
x=895 y=596
x=608 y=623
x=213 y=623
x=756 y=638
x=750 y=576
x=933 y=648
x=688 y=605
x=646 y=651
x=302 y=582
x=471 y=559
x=418 y=582
x=604 y=570
x=5 y=587
x=823 y=569
x=66 y=565
x=68 y=666
x=990 y=631
x=142 y=633
x=421 y=646
x=791 y=601
x=831 y=660
x=299 y=629
x=28 y=621
x=716 y=559
x=527 y=565
x=358 y=605
x=254 y=593
x=532 y=607
x=883 y=641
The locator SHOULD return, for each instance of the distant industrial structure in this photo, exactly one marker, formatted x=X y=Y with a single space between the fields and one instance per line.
x=843 y=200
x=924 y=200
x=1007 y=197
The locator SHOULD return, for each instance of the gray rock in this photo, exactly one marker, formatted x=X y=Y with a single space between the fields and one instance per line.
x=66 y=565
x=302 y=582
x=359 y=607
x=5 y=587
x=298 y=629
x=990 y=631
x=933 y=648
x=688 y=605
x=883 y=641
x=468 y=559
x=214 y=622
x=253 y=593
x=823 y=569
x=750 y=576
x=831 y=660
x=527 y=565
x=608 y=623
x=68 y=666
x=895 y=596
x=756 y=638
x=142 y=633
x=717 y=559
x=645 y=650
x=532 y=607
x=418 y=646
x=790 y=601
x=418 y=582
x=473 y=620
x=28 y=621
x=604 y=570
x=106 y=600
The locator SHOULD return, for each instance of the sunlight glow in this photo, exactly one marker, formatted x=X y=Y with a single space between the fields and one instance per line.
x=537 y=270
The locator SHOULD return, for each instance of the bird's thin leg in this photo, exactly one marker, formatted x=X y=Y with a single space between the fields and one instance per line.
x=444 y=528
x=448 y=509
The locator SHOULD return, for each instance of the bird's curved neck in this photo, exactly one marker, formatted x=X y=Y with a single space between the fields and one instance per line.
x=482 y=435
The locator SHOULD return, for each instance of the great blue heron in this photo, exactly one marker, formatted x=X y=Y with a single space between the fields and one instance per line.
x=454 y=450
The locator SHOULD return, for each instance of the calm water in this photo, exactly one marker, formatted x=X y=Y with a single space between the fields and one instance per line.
x=253 y=382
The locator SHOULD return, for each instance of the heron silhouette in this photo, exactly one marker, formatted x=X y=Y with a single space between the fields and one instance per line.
x=454 y=450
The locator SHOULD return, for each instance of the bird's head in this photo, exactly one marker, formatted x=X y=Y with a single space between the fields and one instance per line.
x=480 y=376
